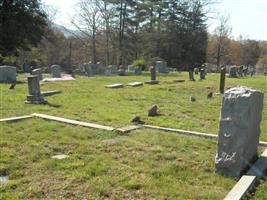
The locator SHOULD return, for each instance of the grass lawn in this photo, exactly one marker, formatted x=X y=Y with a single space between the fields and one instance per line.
x=87 y=99
x=103 y=165
x=147 y=164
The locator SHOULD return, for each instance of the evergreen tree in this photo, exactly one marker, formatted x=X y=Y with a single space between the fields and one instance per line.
x=22 y=23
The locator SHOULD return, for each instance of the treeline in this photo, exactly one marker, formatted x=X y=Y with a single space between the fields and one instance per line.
x=123 y=31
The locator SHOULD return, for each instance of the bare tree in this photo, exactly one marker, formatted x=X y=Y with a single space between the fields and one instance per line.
x=222 y=33
x=88 y=21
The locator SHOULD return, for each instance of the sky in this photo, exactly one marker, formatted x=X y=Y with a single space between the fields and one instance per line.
x=246 y=17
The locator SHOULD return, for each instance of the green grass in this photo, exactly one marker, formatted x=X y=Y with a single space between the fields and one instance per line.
x=104 y=165
x=87 y=99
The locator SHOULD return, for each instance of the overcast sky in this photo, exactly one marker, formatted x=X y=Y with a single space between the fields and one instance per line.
x=247 y=17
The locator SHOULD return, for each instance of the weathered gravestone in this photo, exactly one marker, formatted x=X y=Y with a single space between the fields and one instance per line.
x=121 y=71
x=35 y=96
x=233 y=72
x=153 y=111
x=38 y=72
x=8 y=74
x=153 y=75
x=131 y=68
x=114 y=69
x=137 y=70
x=196 y=70
x=191 y=76
x=56 y=71
x=202 y=74
x=161 y=67
x=88 y=69
x=26 y=68
x=239 y=131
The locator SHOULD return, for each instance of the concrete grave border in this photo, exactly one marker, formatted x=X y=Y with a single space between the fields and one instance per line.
x=249 y=182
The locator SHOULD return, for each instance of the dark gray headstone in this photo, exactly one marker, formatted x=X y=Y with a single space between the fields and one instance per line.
x=137 y=70
x=153 y=111
x=233 y=72
x=88 y=69
x=161 y=67
x=239 y=132
x=8 y=74
x=56 y=71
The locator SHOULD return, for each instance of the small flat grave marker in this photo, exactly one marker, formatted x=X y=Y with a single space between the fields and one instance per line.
x=116 y=85
x=135 y=84
x=60 y=156
x=3 y=179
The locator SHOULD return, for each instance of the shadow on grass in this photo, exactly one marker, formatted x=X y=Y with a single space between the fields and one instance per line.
x=53 y=105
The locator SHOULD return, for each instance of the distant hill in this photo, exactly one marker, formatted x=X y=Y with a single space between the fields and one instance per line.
x=66 y=31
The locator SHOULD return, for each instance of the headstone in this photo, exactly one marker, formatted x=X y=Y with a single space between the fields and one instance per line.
x=131 y=68
x=202 y=74
x=239 y=131
x=3 y=179
x=38 y=72
x=153 y=75
x=191 y=76
x=108 y=71
x=56 y=71
x=137 y=70
x=153 y=111
x=161 y=66
x=60 y=156
x=116 y=85
x=95 y=69
x=210 y=95
x=192 y=99
x=88 y=69
x=114 y=69
x=222 y=79
x=136 y=119
x=135 y=84
x=121 y=72
x=26 y=68
x=35 y=96
x=8 y=74
x=196 y=70
x=233 y=72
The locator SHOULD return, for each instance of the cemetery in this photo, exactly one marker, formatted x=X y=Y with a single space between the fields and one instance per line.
x=79 y=142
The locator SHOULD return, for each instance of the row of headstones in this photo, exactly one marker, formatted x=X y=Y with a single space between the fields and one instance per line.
x=202 y=74
x=8 y=74
x=95 y=69
x=241 y=71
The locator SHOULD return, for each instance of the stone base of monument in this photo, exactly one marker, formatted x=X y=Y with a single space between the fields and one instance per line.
x=152 y=82
x=31 y=99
